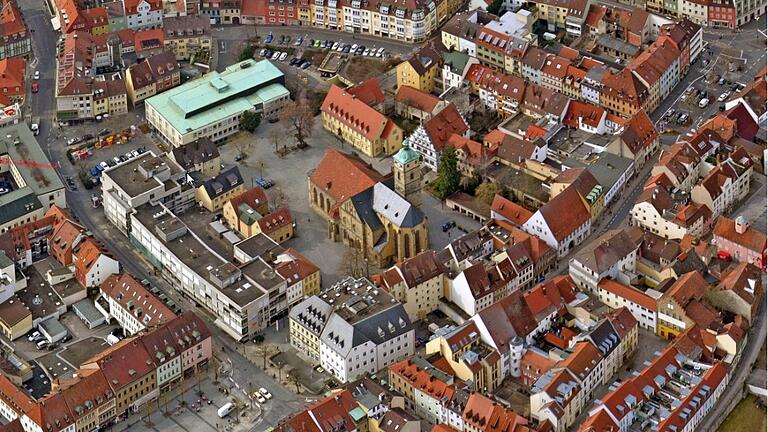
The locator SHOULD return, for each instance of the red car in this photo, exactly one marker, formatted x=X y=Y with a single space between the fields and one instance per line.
x=35 y=87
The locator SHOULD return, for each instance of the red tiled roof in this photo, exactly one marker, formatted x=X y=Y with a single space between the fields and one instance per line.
x=87 y=253
x=298 y=268
x=416 y=98
x=131 y=295
x=566 y=202
x=272 y=222
x=355 y=114
x=750 y=239
x=447 y=122
x=628 y=292
x=746 y=127
x=639 y=132
x=514 y=213
x=132 y=5
x=368 y=92
x=581 y=112
x=690 y=286
x=12 y=72
x=254 y=198
x=342 y=176
x=584 y=358
x=556 y=66
x=486 y=415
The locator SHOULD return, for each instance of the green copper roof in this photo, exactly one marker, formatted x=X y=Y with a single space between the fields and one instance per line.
x=406 y=154
x=215 y=96
x=456 y=59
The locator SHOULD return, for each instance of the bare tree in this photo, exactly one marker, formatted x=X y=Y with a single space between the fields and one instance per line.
x=350 y=262
x=293 y=378
x=244 y=147
x=298 y=118
x=275 y=138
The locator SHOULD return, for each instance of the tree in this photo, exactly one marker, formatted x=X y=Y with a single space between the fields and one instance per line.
x=243 y=146
x=294 y=379
x=486 y=191
x=448 y=177
x=275 y=137
x=495 y=7
x=246 y=53
x=250 y=121
x=298 y=118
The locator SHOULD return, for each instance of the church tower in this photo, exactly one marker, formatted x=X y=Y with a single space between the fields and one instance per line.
x=407 y=171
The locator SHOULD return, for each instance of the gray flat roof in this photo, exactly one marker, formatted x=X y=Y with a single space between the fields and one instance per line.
x=39 y=297
x=53 y=327
x=87 y=310
x=194 y=254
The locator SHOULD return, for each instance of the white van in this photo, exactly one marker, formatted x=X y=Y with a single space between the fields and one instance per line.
x=704 y=102
x=42 y=344
x=226 y=409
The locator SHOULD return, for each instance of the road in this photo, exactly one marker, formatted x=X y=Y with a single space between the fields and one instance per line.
x=284 y=401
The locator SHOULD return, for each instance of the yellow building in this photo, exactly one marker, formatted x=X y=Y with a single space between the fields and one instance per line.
x=15 y=318
x=242 y=211
x=214 y=192
x=188 y=36
x=421 y=70
x=327 y=14
x=468 y=357
x=360 y=125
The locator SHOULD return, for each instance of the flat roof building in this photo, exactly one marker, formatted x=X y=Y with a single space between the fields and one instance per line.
x=211 y=106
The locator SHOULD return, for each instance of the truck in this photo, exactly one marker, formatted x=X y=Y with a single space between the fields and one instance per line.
x=34 y=125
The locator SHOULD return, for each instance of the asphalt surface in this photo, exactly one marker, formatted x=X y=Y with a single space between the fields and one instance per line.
x=285 y=401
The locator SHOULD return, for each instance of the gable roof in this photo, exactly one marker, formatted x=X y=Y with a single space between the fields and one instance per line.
x=368 y=91
x=750 y=239
x=510 y=211
x=440 y=127
x=566 y=202
x=506 y=319
x=416 y=98
x=197 y=152
x=343 y=176
x=355 y=114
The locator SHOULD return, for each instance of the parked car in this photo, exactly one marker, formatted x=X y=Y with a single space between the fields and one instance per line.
x=34 y=336
x=103 y=165
x=703 y=103
x=269 y=38
x=276 y=55
x=682 y=119
x=265 y=393
x=353 y=48
x=35 y=87
x=372 y=53
x=259 y=397
x=448 y=225
x=299 y=40
x=266 y=184
x=723 y=96
x=305 y=64
x=346 y=49
x=42 y=344
x=37 y=75
x=366 y=52
x=105 y=131
x=283 y=56
x=721 y=81
x=380 y=52
x=360 y=50
x=263 y=52
x=316 y=44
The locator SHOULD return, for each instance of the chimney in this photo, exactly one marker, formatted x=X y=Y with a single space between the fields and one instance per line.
x=741 y=225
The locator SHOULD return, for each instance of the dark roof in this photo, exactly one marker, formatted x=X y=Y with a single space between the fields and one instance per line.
x=24 y=203
x=224 y=182
x=369 y=327
x=194 y=153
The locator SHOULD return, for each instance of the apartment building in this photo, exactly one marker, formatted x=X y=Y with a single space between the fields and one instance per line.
x=188 y=37
x=141 y=180
x=740 y=241
x=431 y=137
x=561 y=234
x=13 y=73
x=367 y=331
x=143 y=14
x=421 y=69
x=726 y=185
x=417 y=283
x=16 y=40
x=132 y=305
x=154 y=75
x=612 y=255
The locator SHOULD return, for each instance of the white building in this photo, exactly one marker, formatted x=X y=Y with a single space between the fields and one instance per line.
x=642 y=305
x=361 y=338
x=141 y=180
x=561 y=233
x=430 y=138
x=143 y=15
x=612 y=255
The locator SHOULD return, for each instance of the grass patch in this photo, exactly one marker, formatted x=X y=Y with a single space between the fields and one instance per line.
x=746 y=417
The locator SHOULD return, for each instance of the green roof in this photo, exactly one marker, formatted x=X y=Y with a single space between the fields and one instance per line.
x=357 y=414
x=216 y=96
x=456 y=59
x=247 y=214
x=406 y=154
x=18 y=144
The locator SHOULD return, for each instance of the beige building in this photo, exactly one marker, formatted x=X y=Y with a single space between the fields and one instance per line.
x=418 y=283
x=188 y=37
x=214 y=192
x=15 y=318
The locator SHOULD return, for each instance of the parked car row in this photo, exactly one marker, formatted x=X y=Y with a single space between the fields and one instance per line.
x=103 y=165
x=338 y=46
